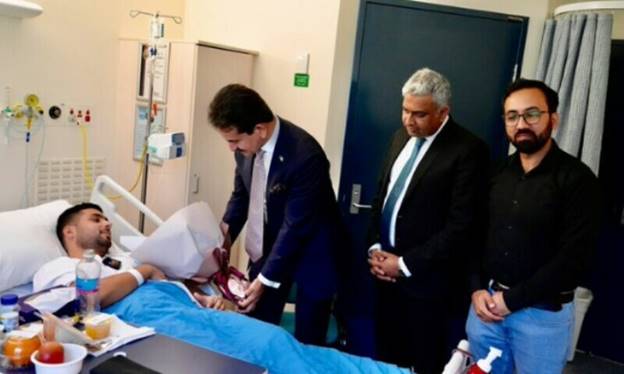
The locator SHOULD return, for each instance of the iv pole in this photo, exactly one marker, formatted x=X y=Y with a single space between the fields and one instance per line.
x=157 y=31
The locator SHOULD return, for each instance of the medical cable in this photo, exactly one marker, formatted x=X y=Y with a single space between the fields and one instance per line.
x=29 y=178
x=138 y=177
x=86 y=173
x=88 y=177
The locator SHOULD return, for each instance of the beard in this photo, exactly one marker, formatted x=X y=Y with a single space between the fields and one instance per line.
x=100 y=244
x=532 y=142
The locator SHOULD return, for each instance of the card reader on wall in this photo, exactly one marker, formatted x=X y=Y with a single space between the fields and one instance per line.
x=166 y=146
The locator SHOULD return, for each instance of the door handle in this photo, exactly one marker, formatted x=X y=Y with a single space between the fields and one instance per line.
x=195 y=184
x=356 y=194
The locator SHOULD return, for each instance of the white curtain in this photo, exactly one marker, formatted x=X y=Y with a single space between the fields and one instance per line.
x=574 y=61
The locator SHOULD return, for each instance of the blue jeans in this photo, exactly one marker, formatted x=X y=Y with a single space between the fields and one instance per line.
x=532 y=340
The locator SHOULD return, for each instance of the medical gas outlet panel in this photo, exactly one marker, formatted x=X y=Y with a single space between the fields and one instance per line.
x=31 y=112
x=70 y=114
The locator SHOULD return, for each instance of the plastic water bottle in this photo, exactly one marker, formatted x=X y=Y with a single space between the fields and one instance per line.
x=9 y=303
x=88 y=283
x=9 y=312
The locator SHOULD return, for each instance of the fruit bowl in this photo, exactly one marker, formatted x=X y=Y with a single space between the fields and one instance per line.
x=74 y=356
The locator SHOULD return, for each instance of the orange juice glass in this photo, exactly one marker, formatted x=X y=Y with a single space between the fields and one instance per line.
x=19 y=346
x=98 y=326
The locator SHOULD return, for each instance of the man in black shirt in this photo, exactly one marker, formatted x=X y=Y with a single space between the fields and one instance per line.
x=543 y=224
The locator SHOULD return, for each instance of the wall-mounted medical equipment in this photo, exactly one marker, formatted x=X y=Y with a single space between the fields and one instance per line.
x=20 y=122
x=79 y=117
x=166 y=146
x=29 y=112
x=55 y=112
x=141 y=120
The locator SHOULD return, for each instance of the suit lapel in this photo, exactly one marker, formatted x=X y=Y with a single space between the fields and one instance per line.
x=395 y=149
x=435 y=149
x=280 y=156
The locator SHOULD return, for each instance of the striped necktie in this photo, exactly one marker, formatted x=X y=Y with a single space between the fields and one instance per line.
x=255 y=215
x=393 y=196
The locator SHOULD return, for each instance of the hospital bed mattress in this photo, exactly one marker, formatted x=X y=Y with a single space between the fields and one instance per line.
x=23 y=290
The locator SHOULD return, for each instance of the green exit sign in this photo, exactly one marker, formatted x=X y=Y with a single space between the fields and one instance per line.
x=302 y=80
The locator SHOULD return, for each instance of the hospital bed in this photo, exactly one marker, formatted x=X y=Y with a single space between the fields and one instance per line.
x=165 y=306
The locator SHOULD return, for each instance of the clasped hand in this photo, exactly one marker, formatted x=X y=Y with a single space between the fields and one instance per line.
x=384 y=265
x=489 y=308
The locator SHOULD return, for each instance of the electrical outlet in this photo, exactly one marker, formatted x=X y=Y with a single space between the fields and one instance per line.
x=82 y=115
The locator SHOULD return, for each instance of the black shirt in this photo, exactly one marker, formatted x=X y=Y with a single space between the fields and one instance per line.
x=543 y=227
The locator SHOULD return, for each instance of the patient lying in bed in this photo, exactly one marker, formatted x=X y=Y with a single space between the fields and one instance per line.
x=82 y=227
x=167 y=308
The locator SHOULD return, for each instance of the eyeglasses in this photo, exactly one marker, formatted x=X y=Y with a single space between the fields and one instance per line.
x=531 y=117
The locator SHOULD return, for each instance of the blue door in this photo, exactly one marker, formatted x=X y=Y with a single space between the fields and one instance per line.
x=479 y=52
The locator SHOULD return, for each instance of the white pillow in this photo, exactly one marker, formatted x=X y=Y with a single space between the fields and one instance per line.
x=27 y=241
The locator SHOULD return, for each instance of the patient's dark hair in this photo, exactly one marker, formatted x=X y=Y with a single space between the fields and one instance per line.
x=238 y=107
x=552 y=98
x=68 y=216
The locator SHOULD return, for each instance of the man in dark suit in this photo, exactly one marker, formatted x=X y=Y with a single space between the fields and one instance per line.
x=426 y=217
x=283 y=191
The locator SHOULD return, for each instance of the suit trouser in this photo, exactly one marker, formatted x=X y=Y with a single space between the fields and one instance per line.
x=410 y=332
x=311 y=315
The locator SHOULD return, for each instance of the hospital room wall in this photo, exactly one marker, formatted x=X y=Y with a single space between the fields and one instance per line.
x=67 y=55
x=282 y=29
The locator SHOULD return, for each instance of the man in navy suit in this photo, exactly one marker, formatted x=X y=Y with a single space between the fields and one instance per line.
x=426 y=219
x=283 y=191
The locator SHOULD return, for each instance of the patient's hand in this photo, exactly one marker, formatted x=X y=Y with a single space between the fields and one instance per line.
x=151 y=272
x=214 y=302
x=158 y=274
x=200 y=280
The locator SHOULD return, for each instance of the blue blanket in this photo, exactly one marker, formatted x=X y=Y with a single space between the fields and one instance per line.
x=168 y=309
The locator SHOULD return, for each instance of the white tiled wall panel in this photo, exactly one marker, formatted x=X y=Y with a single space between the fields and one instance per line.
x=65 y=179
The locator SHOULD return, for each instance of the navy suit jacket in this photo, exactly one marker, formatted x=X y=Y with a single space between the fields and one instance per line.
x=301 y=217
x=440 y=222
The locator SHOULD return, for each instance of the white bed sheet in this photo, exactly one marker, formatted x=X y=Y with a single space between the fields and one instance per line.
x=23 y=290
